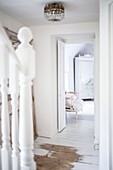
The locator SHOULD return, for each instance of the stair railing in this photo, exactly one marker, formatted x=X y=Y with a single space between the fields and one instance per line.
x=17 y=70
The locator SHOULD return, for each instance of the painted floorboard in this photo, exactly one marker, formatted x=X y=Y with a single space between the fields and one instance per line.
x=78 y=134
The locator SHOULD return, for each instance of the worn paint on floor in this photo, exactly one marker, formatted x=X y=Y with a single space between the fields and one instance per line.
x=77 y=134
x=58 y=157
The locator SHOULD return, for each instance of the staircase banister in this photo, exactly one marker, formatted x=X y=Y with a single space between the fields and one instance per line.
x=5 y=40
x=26 y=52
x=17 y=72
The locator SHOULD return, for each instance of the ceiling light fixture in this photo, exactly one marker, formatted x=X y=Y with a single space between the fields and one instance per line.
x=54 y=11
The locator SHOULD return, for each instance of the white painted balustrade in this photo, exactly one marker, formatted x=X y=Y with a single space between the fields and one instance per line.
x=17 y=68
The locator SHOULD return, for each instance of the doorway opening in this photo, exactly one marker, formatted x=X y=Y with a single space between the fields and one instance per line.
x=79 y=79
x=75 y=81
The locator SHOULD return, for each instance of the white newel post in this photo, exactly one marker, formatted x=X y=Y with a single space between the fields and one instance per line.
x=14 y=90
x=4 y=70
x=26 y=55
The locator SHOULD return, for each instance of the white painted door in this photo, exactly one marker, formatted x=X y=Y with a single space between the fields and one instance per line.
x=61 y=87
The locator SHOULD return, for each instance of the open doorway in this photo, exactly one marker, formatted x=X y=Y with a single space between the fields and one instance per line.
x=79 y=80
x=75 y=82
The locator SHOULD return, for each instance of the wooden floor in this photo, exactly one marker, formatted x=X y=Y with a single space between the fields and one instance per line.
x=78 y=134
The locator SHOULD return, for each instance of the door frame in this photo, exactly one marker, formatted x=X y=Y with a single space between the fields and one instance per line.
x=96 y=85
x=106 y=84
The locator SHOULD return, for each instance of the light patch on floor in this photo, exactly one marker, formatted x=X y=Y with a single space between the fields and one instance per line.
x=78 y=135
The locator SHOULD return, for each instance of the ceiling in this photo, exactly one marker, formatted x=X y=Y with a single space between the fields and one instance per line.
x=30 y=12
x=73 y=50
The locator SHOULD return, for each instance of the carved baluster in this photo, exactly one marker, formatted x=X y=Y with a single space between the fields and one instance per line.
x=14 y=86
x=26 y=56
x=5 y=128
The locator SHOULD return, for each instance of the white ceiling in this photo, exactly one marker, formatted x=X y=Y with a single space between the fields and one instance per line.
x=30 y=12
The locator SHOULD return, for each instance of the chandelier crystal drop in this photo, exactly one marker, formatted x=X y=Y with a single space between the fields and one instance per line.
x=54 y=11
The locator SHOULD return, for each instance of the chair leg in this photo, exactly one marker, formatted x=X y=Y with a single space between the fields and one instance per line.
x=66 y=116
x=76 y=115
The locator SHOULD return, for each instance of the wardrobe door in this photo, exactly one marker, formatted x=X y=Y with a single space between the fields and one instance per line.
x=84 y=75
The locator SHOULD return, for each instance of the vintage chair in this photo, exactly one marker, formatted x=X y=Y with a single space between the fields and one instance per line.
x=73 y=102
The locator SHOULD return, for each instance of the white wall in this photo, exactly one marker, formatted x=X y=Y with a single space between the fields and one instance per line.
x=70 y=51
x=9 y=22
x=46 y=71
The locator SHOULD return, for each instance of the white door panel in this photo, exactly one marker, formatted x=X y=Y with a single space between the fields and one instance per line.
x=61 y=87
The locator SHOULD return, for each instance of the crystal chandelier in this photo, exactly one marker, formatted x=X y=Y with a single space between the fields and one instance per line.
x=54 y=11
